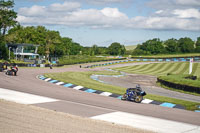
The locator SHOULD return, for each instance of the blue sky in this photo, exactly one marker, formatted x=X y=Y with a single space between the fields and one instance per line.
x=103 y=22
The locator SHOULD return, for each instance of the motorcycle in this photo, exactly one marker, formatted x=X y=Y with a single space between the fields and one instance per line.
x=9 y=72
x=12 y=71
x=134 y=94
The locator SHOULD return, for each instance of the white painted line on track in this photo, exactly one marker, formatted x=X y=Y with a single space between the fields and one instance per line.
x=23 y=98
x=106 y=94
x=47 y=79
x=59 y=83
x=78 y=87
x=148 y=123
x=147 y=101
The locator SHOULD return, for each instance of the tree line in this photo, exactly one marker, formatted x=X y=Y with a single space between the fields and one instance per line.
x=52 y=44
x=170 y=46
x=7 y=19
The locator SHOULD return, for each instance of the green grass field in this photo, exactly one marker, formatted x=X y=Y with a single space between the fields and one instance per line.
x=161 y=69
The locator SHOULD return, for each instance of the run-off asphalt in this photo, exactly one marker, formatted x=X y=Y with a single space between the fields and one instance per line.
x=150 y=123
x=122 y=118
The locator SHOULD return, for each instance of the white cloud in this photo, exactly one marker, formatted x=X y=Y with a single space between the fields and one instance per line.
x=187 y=13
x=165 y=23
x=33 y=11
x=188 y=2
x=101 y=2
x=96 y=2
x=159 y=12
x=112 y=12
x=66 y=6
x=174 y=15
x=71 y=14
x=173 y=4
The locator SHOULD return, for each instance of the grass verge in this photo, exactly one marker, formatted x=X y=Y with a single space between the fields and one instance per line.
x=83 y=79
x=187 y=104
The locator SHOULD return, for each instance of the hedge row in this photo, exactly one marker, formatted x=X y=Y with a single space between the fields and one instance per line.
x=185 y=84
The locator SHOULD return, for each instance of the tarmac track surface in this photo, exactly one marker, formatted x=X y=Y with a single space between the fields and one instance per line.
x=85 y=104
x=148 y=84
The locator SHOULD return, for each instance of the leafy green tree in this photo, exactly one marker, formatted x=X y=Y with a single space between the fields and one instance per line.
x=7 y=16
x=91 y=51
x=95 y=50
x=171 y=45
x=76 y=48
x=29 y=35
x=197 y=45
x=13 y=35
x=186 y=45
x=86 y=50
x=102 y=50
x=7 y=20
x=52 y=39
x=3 y=49
x=123 y=50
x=140 y=52
x=71 y=48
x=67 y=43
x=116 y=49
x=198 y=42
x=153 y=46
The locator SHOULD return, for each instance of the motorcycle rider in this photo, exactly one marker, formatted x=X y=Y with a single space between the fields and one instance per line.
x=14 y=69
x=133 y=91
x=138 y=88
x=134 y=94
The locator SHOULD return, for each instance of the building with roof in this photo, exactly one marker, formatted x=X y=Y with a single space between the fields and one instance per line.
x=25 y=52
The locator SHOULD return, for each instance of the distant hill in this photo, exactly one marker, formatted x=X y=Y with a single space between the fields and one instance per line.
x=130 y=47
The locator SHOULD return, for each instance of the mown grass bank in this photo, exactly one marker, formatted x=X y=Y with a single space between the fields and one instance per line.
x=83 y=79
x=161 y=69
x=175 y=69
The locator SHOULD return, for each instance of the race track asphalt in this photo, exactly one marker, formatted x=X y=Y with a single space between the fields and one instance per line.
x=86 y=104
